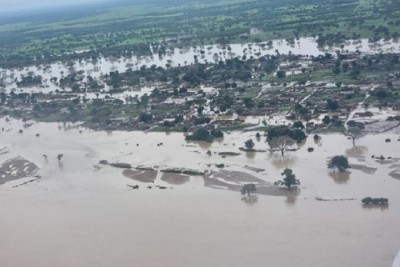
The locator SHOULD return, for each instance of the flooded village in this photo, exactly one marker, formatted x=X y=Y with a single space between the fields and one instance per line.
x=161 y=146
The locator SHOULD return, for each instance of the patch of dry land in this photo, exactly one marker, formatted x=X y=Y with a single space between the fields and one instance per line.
x=17 y=168
x=144 y=176
x=82 y=213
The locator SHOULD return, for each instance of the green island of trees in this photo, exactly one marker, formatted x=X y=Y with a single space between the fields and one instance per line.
x=340 y=163
x=202 y=134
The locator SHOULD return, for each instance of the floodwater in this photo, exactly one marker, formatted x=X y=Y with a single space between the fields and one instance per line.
x=80 y=213
x=181 y=57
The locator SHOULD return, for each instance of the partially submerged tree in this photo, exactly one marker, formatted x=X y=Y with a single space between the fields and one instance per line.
x=282 y=130
x=249 y=144
x=248 y=189
x=339 y=162
x=281 y=143
x=317 y=138
x=354 y=133
x=289 y=179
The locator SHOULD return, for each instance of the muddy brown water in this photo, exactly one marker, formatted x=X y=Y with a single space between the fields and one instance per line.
x=81 y=213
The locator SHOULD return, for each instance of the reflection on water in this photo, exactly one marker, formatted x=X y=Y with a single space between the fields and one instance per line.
x=250 y=155
x=356 y=151
x=301 y=144
x=60 y=165
x=250 y=200
x=281 y=162
x=317 y=140
x=340 y=177
x=381 y=207
x=202 y=145
x=291 y=200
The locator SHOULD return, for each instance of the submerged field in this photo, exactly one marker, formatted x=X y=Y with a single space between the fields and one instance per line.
x=78 y=212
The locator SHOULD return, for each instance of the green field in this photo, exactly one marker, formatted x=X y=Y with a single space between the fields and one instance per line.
x=112 y=29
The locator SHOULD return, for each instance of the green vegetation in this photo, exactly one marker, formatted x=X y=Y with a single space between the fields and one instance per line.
x=281 y=143
x=354 y=133
x=289 y=179
x=203 y=134
x=116 y=30
x=249 y=144
x=256 y=83
x=339 y=162
x=284 y=131
x=248 y=189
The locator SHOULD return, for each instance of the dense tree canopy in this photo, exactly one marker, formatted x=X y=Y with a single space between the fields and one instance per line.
x=339 y=162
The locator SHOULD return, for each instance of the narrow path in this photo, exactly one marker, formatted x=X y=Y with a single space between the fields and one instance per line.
x=359 y=108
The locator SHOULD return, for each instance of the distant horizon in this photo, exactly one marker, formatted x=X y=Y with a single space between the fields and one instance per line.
x=21 y=6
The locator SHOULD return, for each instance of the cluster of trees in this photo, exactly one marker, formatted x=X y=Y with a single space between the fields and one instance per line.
x=202 y=134
x=283 y=137
x=29 y=80
x=295 y=134
x=145 y=117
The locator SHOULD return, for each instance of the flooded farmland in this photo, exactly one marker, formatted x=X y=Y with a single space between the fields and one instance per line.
x=74 y=211
x=179 y=57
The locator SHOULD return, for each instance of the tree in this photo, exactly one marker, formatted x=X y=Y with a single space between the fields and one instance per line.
x=249 y=144
x=217 y=133
x=317 y=138
x=145 y=117
x=298 y=135
x=200 y=110
x=278 y=131
x=203 y=134
x=281 y=74
x=289 y=179
x=298 y=125
x=326 y=120
x=339 y=162
x=354 y=133
x=248 y=102
x=281 y=143
x=248 y=189
x=332 y=104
